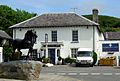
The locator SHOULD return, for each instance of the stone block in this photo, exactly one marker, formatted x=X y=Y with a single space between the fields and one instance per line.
x=22 y=69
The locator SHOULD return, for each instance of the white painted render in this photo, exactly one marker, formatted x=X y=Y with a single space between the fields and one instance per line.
x=64 y=35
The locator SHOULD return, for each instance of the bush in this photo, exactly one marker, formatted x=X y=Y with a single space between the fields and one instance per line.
x=46 y=60
x=69 y=60
x=94 y=58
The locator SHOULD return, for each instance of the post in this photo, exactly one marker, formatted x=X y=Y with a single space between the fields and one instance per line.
x=46 y=44
x=1 y=54
x=117 y=59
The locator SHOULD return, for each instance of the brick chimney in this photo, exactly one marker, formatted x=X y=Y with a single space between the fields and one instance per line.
x=95 y=15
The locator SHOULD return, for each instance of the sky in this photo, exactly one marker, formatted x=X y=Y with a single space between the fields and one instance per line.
x=82 y=7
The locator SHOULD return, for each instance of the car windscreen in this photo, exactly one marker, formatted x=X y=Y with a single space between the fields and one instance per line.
x=84 y=53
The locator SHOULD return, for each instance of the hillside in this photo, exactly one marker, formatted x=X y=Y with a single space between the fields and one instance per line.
x=107 y=23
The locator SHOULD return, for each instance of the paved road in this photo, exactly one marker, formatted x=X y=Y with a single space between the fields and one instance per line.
x=96 y=73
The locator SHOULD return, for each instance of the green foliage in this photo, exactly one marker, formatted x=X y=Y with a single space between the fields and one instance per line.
x=69 y=60
x=7 y=52
x=94 y=57
x=46 y=60
x=107 y=23
x=9 y=17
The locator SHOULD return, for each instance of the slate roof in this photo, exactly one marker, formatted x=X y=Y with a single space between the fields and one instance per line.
x=4 y=35
x=112 y=35
x=56 y=19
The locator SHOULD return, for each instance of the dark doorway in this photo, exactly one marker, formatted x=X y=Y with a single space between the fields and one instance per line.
x=51 y=55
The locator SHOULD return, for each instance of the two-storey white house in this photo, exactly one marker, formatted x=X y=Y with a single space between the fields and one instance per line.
x=61 y=34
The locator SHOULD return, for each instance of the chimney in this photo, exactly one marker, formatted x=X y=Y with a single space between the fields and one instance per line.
x=95 y=15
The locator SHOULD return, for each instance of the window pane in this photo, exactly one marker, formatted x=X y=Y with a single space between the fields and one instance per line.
x=75 y=35
x=73 y=52
x=54 y=35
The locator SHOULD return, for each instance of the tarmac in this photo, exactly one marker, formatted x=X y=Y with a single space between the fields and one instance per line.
x=47 y=77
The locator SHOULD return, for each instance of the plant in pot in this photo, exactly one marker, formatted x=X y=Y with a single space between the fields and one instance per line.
x=59 y=60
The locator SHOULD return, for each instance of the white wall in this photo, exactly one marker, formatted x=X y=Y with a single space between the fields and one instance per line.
x=64 y=34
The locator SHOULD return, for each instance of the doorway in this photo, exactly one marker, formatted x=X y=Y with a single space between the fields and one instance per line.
x=51 y=55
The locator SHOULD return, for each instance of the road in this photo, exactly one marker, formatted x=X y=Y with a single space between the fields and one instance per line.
x=96 y=73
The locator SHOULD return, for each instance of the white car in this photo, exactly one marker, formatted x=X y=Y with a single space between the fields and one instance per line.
x=84 y=57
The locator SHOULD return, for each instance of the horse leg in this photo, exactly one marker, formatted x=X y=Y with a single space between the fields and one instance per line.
x=29 y=53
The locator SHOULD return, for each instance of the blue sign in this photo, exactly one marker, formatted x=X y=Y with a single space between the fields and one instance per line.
x=110 y=47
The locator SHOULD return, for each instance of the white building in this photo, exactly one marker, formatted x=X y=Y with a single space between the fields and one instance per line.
x=64 y=32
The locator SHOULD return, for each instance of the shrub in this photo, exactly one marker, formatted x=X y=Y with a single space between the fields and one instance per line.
x=94 y=58
x=46 y=60
x=69 y=60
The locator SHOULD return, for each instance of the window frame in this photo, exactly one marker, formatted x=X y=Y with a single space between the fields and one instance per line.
x=74 y=35
x=54 y=36
x=73 y=52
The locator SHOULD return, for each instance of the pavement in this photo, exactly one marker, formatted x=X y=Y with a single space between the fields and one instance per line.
x=47 y=77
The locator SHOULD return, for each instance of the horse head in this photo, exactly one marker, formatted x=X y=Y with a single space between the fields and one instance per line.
x=31 y=36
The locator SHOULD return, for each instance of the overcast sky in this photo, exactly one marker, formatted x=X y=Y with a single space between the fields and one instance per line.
x=84 y=7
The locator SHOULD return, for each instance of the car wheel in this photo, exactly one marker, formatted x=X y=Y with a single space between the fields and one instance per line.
x=76 y=65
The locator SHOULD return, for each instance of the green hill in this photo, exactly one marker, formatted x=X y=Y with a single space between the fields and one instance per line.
x=107 y=23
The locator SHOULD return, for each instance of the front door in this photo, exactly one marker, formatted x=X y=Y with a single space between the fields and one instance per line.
x=51 y=55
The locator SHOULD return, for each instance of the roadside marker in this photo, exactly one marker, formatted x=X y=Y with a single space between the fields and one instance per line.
x=95 y=73
x=107 y=73
x=61 y=73
x=72 y=73
x=117 y=73
x=83 y=74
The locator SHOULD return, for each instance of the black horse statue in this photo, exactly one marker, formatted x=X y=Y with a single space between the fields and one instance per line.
x=26 y=43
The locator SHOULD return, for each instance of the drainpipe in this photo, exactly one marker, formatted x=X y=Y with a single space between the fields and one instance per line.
x=93 y=38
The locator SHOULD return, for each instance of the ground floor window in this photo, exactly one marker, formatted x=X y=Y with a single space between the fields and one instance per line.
x=73 y=52
x=34 y=54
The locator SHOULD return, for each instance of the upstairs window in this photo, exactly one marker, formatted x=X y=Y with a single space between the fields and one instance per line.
x=75 y=35
x=54 y=36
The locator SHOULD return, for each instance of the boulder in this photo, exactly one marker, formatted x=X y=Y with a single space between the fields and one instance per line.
x=22 y=69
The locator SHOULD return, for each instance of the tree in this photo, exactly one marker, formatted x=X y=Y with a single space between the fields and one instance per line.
x=9 y=17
